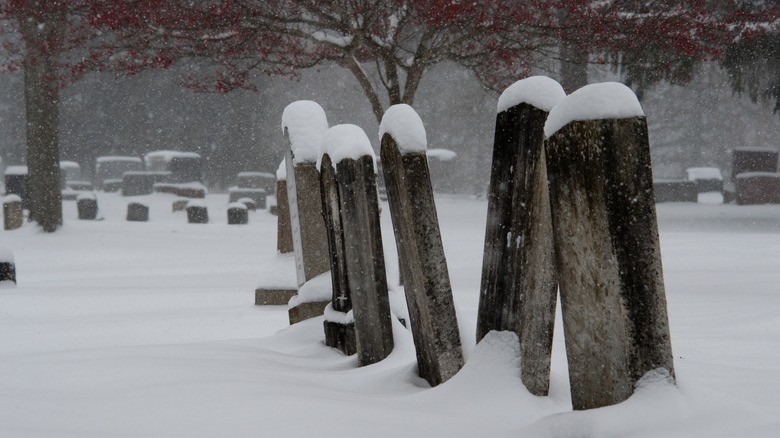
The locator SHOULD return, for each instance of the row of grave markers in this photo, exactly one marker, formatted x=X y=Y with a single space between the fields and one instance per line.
x=570 y=208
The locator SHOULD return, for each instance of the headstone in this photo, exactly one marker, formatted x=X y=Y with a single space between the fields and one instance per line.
x=256 y=180
x=12 y=212
x=142 y=183
x=193 y=190
x=237 y=214
x=753 y=160
x=758 y=188
x=7 y=267
x=284 y=241
x=137 y=212
x=87 y=206
x=249 y=203
x=519 y=287
x=707 y=179
x=197 y=212
x=337 y=334
x=606 y=241
x=16 y=183
x=257 y=195
x=109 y=170
x=180 y=205
x=675 y=191
x=304 y=122
x=416 y=226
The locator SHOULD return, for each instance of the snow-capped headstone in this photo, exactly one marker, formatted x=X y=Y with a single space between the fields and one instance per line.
x=13 y=216
x=348 y=148
x=87 y=206
x=197 y=212
x=16 y=183
x=416 y=228
x=303 y=123
x=746 y=159
x=137 y=212
x=337 y=333
x=519 y=285
x=237 y=214
x=7 y=267
x=606 y=241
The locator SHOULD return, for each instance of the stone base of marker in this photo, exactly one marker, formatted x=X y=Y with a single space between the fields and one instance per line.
x=676 y=191
x=237 y=214
x=304 y=311
x=274 y=297
x=197 y=214
x=137 y=212
x=341 y=337
x=87 y=208
x=13 y=216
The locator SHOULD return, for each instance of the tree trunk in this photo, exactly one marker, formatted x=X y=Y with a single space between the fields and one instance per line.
x=41 y=93
x=574 y=67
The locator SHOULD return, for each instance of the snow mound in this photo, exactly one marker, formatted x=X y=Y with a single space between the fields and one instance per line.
x=338 y=317
x=237 y=205
x=281 y=172
x=695 y=173
x=607 y=100
x=12 y=198
x=6 y=256
x=441 y=154
x=87 y=195
x=346 y=141
x=405 y=126
x=305 y=122
x=538 y=91
x=319 y=288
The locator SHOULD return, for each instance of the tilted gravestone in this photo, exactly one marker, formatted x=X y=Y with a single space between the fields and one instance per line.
x=339 y=330
x=7 y=267
x=519 y=287
x=303 y=123
x=416 y=228
x=87 y=206
x=284 y=241
x=137 y=212
x=13 y=216
x=606 y=241
x=363 y=256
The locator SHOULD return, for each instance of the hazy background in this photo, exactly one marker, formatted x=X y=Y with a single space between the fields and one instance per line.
x=695 y=125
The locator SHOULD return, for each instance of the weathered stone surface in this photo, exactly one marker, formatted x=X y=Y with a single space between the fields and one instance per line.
x=7 y=272
x=675 y=191
x=606 y=239
x=273 y=297
x=519 y=287
x=284 y=241
x=331 y=210
x=753 y=160
x=87 y=208
x=424 y=267
x=364 y=258
x=237 y=216
x=305 y=311
x=341 y=337
x=310 y=239
x=137 y=212
x=13 y=216
x=197 y=214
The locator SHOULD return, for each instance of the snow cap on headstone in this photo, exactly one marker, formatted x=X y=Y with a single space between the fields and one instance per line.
x=347 y=141
x=538 y=91
x=305 y=122
x=405 y=126
x=12 y=198
x=607 y=100
x=281 y=172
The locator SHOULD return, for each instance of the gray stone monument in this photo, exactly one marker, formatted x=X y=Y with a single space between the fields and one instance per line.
x=284 y=240
x=416 y=228
x=519 y=286
x=87 y=206
x=606 y=241
x=197 y=212
x=13 y=216
x=363 y=256
x=137 y=212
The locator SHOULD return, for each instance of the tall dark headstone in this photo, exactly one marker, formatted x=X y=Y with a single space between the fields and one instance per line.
x=87 y=206
x=606 y=240
x=519 y=286
x=416 y=228
x=197 y=213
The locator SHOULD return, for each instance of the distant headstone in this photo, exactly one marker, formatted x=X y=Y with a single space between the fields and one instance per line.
x=707 y=179
x=675 y=191
x=137 y=183
x=16 y=183
x=606 y=240
x=416 y=226
x=753 y=160
x=12 y=212
x=758 y=188
x=87 y=206
x=180 y=205
x=137 y=212
x=256 y=180
x=7 y=266
x=237 y=214
x=197 y=213
x=249 y=203
x=519 y=286
x=193 y=190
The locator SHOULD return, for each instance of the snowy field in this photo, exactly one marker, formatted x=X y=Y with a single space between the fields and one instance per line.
x=121 y=329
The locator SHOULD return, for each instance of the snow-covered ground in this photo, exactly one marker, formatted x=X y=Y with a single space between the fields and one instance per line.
x=149 y=329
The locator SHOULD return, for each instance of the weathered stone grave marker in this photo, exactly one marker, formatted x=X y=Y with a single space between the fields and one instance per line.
x=137 y=212
x=606 y=241
x=237 y=214
x=197 y=212
x=7 y=267
x=359 y=249
x=519 y=286
x=87 y=206
x=284 y=241
x=416 y=228
x=13 y=216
